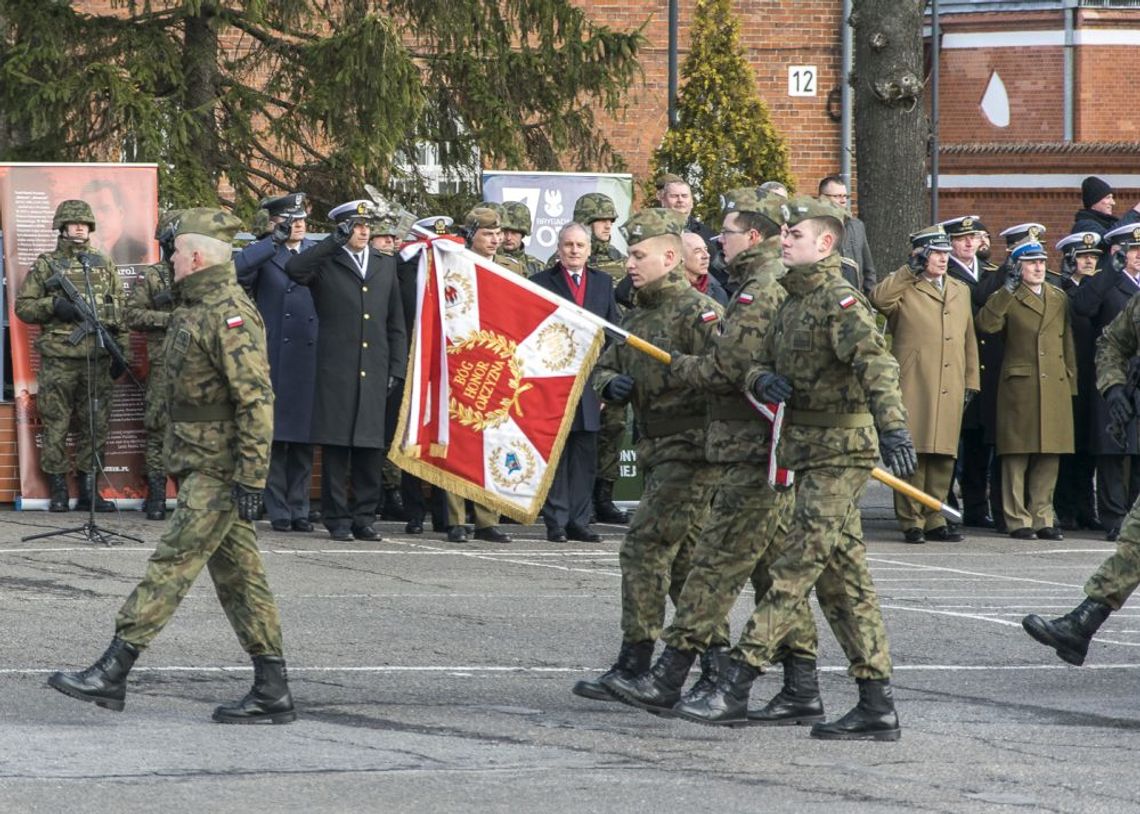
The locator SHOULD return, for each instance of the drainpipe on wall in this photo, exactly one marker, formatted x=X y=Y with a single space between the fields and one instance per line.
x=1069 y=9
x=935 y=59
x=845 y=36
x=673 y=23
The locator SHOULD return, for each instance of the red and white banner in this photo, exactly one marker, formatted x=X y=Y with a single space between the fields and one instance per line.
x=778 y=476
x=496 y=369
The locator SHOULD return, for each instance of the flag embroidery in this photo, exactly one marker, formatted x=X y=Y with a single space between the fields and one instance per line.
x=708 y=316
x=234 y=322
x=847 y=301
x=745 y=299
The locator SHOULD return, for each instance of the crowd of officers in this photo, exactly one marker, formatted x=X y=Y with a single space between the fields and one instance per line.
x=777 y=314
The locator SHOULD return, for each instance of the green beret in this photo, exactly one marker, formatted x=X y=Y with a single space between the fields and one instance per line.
x=215 y=223
x=652 y=222
x=483 y=217
x=805 y=207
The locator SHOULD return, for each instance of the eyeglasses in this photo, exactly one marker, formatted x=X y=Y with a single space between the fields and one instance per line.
x=734 y=231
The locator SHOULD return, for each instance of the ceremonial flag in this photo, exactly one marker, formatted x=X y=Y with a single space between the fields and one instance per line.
x=496 y=368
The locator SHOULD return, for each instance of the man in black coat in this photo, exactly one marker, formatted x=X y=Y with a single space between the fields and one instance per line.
x=291 y=340
x=362 y=354
x=568 y=504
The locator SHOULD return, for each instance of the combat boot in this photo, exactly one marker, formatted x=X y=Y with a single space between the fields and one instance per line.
x=633 y=659
x=155 y=505
x=605 y=510
x=269 y=700
x=104 y=683
x=713 y=662
x=798 y=702
x=86 y=489
x=59 y=498
x=727 y=704
x=872 y=719
x=1069 y=635
x=658 y=689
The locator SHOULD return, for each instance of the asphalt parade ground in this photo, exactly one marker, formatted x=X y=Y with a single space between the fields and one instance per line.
x=431 y=676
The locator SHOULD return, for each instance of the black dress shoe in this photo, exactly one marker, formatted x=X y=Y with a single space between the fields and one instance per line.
x=457 y=534
x=583 y=534
x=281 y=525
x=1050 y=533
x=302 y=524
x=414 y=527
x=340 y=535
x=556 y=535
x=1022 y=534
x=365 y=533
x=492 y=535
x=914 y=536
x=945 y=534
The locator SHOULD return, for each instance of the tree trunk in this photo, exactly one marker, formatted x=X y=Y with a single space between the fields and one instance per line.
x=200 y=68
x=891 y=127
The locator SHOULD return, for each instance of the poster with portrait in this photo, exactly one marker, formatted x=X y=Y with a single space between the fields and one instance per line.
x=124 y=199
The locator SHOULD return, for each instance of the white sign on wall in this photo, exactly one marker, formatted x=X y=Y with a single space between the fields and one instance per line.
x=802 y=80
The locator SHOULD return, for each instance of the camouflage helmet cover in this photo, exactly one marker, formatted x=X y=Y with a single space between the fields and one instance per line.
x=594 y=206
x=516 y=217
x=73 y=211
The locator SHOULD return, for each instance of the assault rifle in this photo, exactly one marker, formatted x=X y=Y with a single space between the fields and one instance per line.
x=90 y=323
x=1119 y=432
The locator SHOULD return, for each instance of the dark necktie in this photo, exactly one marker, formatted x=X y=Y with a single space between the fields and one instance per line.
x=577 y=276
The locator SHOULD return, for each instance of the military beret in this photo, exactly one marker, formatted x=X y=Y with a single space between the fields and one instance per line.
x=1127 y=235
x=965 y=225
x=1080 y=243
x=805 y=207
x=215 y=223
x=353 y=209
x=291 y=206
x=742 y=199
x=1015 y=234
x=652 y=222
x=932 y=237
x=484 y=216
x=1028 y=249
x=516 y=217
x=666 y=178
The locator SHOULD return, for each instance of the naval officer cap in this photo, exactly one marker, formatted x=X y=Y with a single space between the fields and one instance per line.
x=435 y=224
x=1127 y=236
x=1015 y=234
x=652 y=222
x=1080 y=243
x=965 y=225
x=359 y=210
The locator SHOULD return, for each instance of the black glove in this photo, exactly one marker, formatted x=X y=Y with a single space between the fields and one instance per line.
x=772 y=388
x=282 y=231
x=64 y=310
x=117 y=369
x=394 y=384
x=1119 y=405
x=343 y=231
x=917 y=261
x=163 y=298
x=1013 y=278
x=619 y=388
x=248 y=502
x=897 y=450
x=968 y=398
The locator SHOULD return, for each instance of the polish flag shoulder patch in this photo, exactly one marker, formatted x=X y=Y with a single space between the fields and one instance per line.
x=745 y=299
x=848 y=301
x=709 y=316
x=234 y=322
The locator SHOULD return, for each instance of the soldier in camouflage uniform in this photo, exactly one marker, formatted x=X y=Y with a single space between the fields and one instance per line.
x=516 y=226
x=75 y=376
x=218 y=440
x=825 y=357
x=597 y=213
x=148 y=310
x=1113 y=582
x=749 y=518
x=670 y=419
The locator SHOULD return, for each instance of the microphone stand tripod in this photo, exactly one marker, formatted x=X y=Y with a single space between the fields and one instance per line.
x=91 y=531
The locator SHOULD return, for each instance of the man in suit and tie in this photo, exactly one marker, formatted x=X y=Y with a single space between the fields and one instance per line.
x=362 y=352
x=570 y=500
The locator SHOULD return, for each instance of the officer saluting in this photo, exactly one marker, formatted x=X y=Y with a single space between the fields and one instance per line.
x=221 y=425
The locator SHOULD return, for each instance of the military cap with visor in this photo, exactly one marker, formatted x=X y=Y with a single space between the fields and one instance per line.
x=932 y=238
x=1127 y=236
x=434 y=224
x=1028 y=250
x=965 y=225
x=286 y=206
x=1080 y=243
x=652 y=222
x=1015 y=234
x=359 y=210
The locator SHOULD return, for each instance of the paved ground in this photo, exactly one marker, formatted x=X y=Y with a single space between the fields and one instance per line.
x=435 y=677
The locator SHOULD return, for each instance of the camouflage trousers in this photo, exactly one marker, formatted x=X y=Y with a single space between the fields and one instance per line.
x=745 y=533
x=824 y=549
x=155 y=418
x=657 y=550
x=205 y=531
x=1119 y=575
x=66 y=389
x=609 y=441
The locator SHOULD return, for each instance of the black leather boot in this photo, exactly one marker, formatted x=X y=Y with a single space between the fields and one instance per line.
x=57 y=484
x=86 y=489
x=155 y=505
x=393 y=506
x=605 y=510
x=872 y=719
x=727 y=704
x=713 y=662
x=104 y=683
x=798 y=702
x=658 y=689
x=1069 y=635
x=268 y=701
x=633 y=659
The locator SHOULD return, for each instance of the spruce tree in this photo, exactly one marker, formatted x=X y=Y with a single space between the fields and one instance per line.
x=724 y=137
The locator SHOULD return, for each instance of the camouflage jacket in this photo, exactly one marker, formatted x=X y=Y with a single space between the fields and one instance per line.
x=217 y=378
x=36 y=298
x=845 y=382
x=511 y=262
x=736 y=432
x=670 y=417
x=142 y=313
x=604 y=257
x=1117 y=346
x=531 y=265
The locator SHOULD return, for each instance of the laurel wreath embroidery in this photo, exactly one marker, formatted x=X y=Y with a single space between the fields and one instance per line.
x=505 y=350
